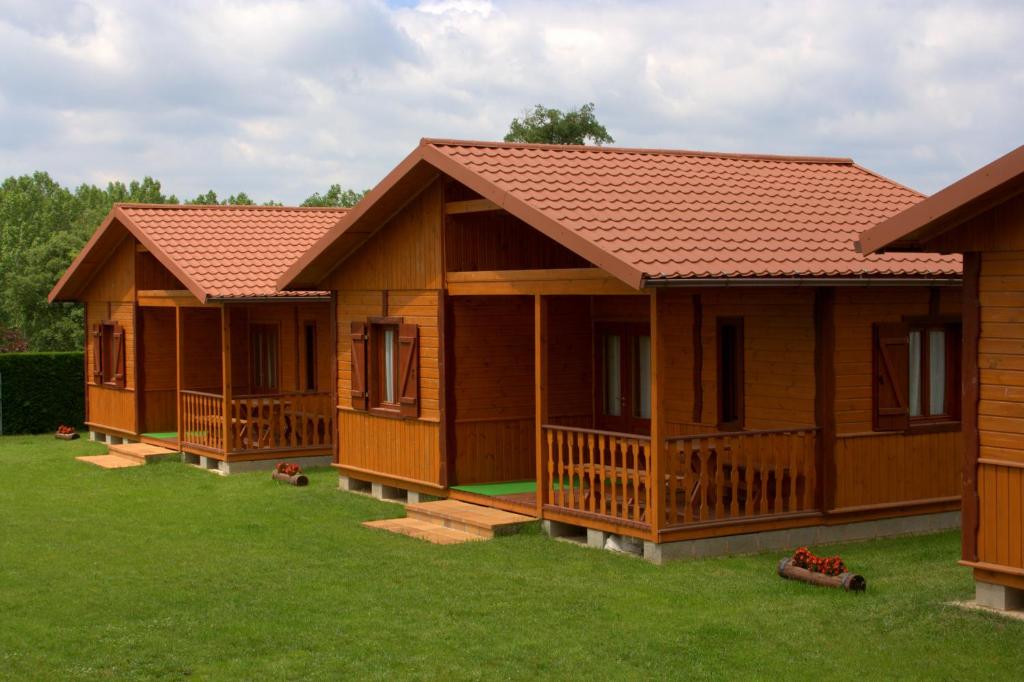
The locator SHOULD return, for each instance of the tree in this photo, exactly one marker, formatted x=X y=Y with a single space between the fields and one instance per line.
x=552 y=126
x=335 y=197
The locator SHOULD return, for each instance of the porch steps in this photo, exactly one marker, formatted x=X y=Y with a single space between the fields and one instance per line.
x=451 y=521
x=110 y=461
x=143 y=453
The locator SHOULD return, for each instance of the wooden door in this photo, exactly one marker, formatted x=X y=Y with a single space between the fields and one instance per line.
x=623 y=377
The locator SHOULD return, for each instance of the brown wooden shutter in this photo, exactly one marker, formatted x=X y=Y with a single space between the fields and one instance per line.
x=892 y=377
x=360 y=395
x=120 y=357
x=97 y=353
x=409 y=370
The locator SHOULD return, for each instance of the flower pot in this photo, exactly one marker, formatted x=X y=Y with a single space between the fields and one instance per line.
x=66 y=436
x=851 y=582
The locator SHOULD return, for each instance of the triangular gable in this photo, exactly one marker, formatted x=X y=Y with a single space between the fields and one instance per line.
x=413 y=174
x=99 y=248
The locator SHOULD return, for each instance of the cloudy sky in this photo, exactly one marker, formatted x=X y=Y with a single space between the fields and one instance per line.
x=281 y=99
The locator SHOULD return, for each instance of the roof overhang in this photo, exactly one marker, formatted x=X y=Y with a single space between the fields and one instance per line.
x=944 y=210
x=99 y=248
x=399 y=187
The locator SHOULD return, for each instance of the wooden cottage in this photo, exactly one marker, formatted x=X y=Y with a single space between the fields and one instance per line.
x=188 y=343
x=681 y=348
x=982 y=217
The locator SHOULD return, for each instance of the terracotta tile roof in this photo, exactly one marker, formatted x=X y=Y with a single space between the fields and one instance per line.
x=680 y=214
x=216 y=251
x=233 y=251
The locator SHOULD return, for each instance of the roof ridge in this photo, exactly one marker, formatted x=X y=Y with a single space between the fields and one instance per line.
x=840 y=160
x=134 y=204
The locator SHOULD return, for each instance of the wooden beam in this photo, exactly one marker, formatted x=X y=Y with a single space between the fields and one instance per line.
x=446 y=388
x=970 y=333
x=655 y=516
x=336 y=440
x=169 y=298
x=470 y=206
x=179 y=373
x=540 y=387
x=225 y=359
x=698 y=359
x=579 y=281
x=825 y=397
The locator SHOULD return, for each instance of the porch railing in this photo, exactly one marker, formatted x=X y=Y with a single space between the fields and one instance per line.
x=734 y=476
x=599 y=473
x=275 y=422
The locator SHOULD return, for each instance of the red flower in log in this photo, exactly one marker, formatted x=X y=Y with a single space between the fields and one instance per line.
x=288 y=469
x=804 y=558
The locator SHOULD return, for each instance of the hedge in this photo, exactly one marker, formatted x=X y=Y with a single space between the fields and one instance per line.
x=40 y=391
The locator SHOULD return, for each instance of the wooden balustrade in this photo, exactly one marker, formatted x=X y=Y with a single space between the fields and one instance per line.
x=734 y=476
x=598 y=473
x=280 y=421
x=202 y=420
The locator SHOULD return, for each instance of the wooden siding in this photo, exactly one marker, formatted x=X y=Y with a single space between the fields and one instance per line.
x=885 y=468
x=778 y=350
x=151 y=274
x=158 y=359
x=407 y=449
x=405 y=253
x=1001 y=515
x=676 y=318
x=496 y=240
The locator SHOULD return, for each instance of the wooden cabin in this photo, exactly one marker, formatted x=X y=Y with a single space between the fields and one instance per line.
x=982 y=217
x=678 y=348
x=190 y=346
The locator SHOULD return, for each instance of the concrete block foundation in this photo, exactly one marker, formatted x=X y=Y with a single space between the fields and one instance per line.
x=999 y=597
x=227 y=468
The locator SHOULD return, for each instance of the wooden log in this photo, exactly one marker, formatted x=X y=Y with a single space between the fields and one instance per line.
x=851 y=582
x=296 y=479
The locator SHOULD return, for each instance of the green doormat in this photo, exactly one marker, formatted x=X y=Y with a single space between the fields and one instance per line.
x=496 y=489
x=163 y=435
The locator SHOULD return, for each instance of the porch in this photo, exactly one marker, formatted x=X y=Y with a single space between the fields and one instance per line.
x=236 y=381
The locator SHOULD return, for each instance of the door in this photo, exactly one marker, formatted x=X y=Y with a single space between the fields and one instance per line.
x=623 y=377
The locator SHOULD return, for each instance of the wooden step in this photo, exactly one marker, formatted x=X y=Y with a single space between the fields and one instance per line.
x=484 y=522
x=141 y=452
x=110 y=461
x=424 y=530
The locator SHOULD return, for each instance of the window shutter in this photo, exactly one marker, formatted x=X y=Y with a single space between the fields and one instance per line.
x=360 y=396
x=892 y=377
x=409 y=370
x=120 y=359
x=97 y=353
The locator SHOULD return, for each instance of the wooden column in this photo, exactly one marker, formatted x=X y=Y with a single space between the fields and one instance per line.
x=225 y=362
x=446 y=388
x=178 y=372
x=658 y=432
x=825 y=397
x=335 y=440
x=540 y=387
x=969 y=406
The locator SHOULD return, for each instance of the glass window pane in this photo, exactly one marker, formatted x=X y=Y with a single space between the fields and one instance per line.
x=915 y=374
x=642 y=372
x=612 y=376
x=936 y=372
x=389 y=365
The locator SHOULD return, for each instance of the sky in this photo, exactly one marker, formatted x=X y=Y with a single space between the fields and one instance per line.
x=282 y=99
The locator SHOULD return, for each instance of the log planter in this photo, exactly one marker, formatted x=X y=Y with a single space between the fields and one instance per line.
x=851 y=582
x=66 y=436
x=293 y=479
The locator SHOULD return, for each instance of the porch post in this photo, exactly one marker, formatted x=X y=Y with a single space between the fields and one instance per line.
x=225 y=365
x=658 y=432
x=824 y=397
x=540 y=387
x=178 y=373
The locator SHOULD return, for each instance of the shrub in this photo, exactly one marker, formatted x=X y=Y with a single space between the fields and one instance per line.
x=41 y=391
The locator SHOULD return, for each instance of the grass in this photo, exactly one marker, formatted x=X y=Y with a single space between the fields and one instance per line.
x=165 y=571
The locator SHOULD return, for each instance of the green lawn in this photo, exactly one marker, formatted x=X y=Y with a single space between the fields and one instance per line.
x=165 y=571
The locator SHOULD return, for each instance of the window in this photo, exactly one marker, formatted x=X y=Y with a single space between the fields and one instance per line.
x=109 y=359
x=310 y=349
x=917 y=375
x=730 y=374
x=623 y=358
x=384 y=369
x=263 y=355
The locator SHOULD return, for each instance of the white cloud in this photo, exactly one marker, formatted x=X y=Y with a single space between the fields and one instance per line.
x=280 y=98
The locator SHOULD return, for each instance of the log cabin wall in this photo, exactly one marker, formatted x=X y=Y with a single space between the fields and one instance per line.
x=201 y=350
x=290 y=318
x=110 y=295
x=158 y=379
x=398 y=272
x=877 y=468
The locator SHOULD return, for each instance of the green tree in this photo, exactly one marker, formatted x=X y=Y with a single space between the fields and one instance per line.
x=553 y=126
x=335 y=197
